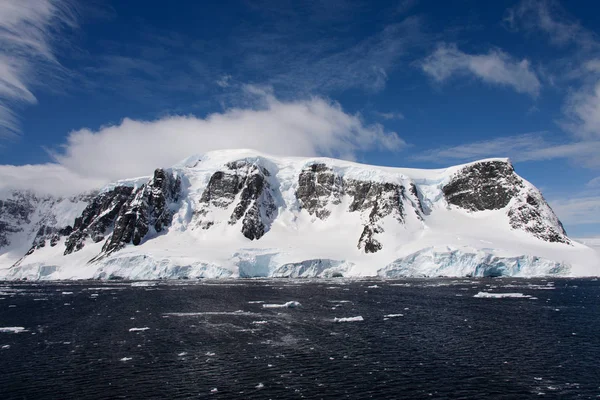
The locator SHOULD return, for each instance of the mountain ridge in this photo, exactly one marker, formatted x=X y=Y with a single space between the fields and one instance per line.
x=245 y=213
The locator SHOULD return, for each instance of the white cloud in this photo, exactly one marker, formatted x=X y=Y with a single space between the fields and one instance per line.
x=495 y=67
x=549 y=17
x=594 y=183
x=224 y=81
x=578 y=211
x=44 y=179
x=582 y=112
x=27 y=31
x=135 y=148
x=520 y=148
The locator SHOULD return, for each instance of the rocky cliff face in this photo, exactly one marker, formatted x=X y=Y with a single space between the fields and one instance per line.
x=494 y=185
x=117 y=216
x=32 y=221
x=147 y=209
x=97 y=218
x=320 y=188
x=484 y=186
x=15 y=213
x=246 y=184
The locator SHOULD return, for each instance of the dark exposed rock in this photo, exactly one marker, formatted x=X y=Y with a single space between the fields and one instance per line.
x=221 y=190
x=318 y=186
x=488 y=185
x=492 y=185
x=367 y=240
x=50 y=233
x=535 y=216
x=418 y=198
x=97 y=218
x=379 y=200
x=14 y=213
x=147 y=209
x=247 y=182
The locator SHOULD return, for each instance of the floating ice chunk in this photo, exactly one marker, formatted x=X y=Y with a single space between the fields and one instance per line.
x=12 y=329
x=144 y=284
x=183 y=353
x=373 y=287
x=214 y=390
x=66 y=293
x=256 y=302
x=126 y=359
x=289 y=304
x=349 y=319
x=194 y=314
x=393 y=315
x=259 y=322
x=138 y=329
x=260 y=386
x=6 y=346
x=488 y=295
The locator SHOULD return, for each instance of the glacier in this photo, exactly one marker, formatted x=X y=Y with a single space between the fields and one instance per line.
x=245 y=214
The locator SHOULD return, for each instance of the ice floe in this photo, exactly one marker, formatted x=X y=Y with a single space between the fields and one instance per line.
x=289 y=304
x=12 y=329
x=349 y=319
x=138 y=329
x=488 y=295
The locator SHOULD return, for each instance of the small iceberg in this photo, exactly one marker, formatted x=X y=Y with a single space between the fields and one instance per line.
x=138 y=329
x=488 y=295
x=13 y=329
x=289 y=304
x=349 y=319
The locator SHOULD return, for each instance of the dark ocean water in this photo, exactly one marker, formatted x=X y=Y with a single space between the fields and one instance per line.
x=215 y=340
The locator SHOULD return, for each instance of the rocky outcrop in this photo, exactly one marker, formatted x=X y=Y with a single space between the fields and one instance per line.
x=487 y=185
x=319 y=186
x=377 y=201
x=97 y=218
x=245 y=183
x=148 y=209
x=493 y=185
x=49 y=234
x=532 y=214
x=15 y=212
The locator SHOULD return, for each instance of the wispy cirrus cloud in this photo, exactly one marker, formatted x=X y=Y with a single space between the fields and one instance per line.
x=519 y=148
x=576 y=66
x=594 y=183
x=29 y=29
x=583 y=210
x=288 y=63
x=550 y=18
x=495 y=67
x=390 y=116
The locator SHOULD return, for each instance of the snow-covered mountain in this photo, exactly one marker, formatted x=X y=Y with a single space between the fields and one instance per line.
x=240 y=213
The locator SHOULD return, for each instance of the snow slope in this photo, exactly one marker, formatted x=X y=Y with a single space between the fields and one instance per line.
x=240 y=213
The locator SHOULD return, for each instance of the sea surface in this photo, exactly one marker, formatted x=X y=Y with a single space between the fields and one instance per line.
x=293 y=339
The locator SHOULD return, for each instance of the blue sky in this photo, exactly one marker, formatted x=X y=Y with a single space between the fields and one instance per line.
x=92 y=91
